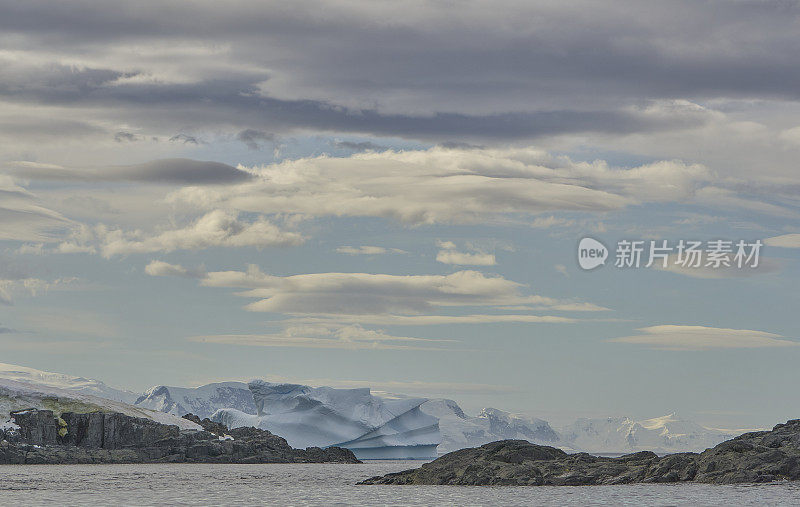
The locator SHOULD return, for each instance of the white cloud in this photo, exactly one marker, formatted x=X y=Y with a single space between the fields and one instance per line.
x=381 y=298
x=217 y=228
x=551 y=221
x=160 y=268
x=765 y=266
x=419 y=186
x=367 y=250
x=449 y=255
x=465 y=259
x=784 y=241
x=58 y=322
x=434 y=320
x=24 y=218
x=328 y=337
x=674 y=337
x=10 y=289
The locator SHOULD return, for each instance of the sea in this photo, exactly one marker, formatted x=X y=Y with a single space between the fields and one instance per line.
x=332 y=484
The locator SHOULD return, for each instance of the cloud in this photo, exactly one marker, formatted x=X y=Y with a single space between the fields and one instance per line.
x=551 y=221
x=461 y=258
x=784 y=241
x=418 y=186
x=367 y=250
x=765 y=266
x=58 y=322
x=359 y=146
x=439 y=320
x=218 y=228
x=186 y=139
x=122 y=137
x=180 y=171
x=24 y=218
x=253 y=139
x=160 y=268
x=674 y=337
x=382 y=299
x=449 y=255
x=27 y=286
x=278 y=64
x=352 y=337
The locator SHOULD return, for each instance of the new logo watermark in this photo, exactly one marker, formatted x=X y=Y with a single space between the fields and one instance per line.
x=591 y=253
x=713 y=254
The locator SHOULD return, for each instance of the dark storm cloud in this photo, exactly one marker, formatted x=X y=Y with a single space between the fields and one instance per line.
x=122 y=137
x=180 y=171
x=254 y=139
x=359 y=146
x=185 y=139
x=215 y=103
x=495 y=72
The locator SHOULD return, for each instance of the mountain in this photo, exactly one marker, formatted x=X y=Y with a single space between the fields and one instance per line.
x=759 y=457
x=372 y=427
x=202 y=401
x=388 y=425
x=621 y=434
x=19 y=395
x=459 y=430
x=66 y=382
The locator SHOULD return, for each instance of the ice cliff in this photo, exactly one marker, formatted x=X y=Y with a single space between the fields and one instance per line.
x=460 y=430
x=372 y=427
x=202 y=401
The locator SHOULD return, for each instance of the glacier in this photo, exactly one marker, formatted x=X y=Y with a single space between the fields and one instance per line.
x=66 y=382
x=666 y=434
x=460 y=430
x=372 y=427
x=19 y=395
x=371 y=423
x=610 y=435
x=201 y=401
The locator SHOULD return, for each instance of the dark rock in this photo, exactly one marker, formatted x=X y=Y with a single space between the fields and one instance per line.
x=37 y=427
x=43 y=438
x=750 y=458
x=208 y=425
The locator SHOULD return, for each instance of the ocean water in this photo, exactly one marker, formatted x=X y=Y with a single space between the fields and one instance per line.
x=323 y=484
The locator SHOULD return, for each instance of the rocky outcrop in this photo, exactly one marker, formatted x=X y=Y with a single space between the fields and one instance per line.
x=39 y=436
x=763 y=456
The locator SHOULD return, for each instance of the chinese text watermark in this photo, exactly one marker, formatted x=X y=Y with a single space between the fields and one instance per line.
x=712 y=254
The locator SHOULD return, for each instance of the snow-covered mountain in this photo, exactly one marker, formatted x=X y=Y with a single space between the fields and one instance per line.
x=201 y=401
x=620 y=434
x=372 y=427
x=389 y=425
x=459 y=430
x=19 y=395
x=66 y=382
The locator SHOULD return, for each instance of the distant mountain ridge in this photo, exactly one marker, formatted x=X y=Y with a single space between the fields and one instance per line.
x=63 y=381
x=235 y=400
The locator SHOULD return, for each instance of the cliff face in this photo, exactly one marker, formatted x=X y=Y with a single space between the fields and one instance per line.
x=41 y=437
x=753 y=457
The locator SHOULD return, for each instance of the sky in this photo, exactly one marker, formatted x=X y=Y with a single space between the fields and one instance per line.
x=392 y=194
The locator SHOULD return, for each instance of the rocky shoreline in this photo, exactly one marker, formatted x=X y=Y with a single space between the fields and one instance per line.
x=42 y=437
x=756 y=457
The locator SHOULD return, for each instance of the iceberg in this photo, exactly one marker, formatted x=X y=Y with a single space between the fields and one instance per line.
x=201 y=401
x=372 y=427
